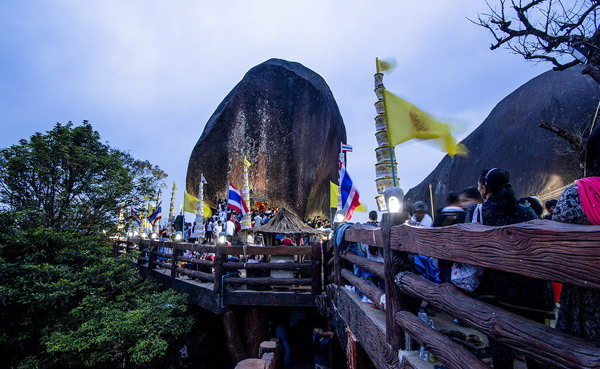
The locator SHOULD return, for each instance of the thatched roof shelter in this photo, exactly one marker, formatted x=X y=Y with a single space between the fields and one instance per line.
x=286 y=222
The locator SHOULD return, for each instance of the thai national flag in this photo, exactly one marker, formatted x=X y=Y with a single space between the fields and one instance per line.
x=348 y=193
x=156 y=214
x=346 y=148
x=236 y=202
x=136 y=216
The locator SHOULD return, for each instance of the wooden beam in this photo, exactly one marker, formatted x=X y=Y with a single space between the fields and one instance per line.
x=449 y=353
x=373 y=293
x=269 y=266
x=234 y=343
x=540 y=342
x=271 y=250
x=540 y=249
x=197 y=274
x=268 y=281
x=351 y=350
x=315 y=273
x=269 y=298
x=207 y=263
x=366 y=234
x=372 y=266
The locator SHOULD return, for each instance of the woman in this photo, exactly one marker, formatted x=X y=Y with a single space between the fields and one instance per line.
x=528 y=297
x=580 y=307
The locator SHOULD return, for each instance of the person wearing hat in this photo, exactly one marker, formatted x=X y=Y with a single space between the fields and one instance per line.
x=420 y=218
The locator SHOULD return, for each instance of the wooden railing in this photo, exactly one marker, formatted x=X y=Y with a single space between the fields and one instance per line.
x=540 y=249
x=305 y=263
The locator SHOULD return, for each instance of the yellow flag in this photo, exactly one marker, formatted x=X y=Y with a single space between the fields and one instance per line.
x=334 y=193
x=386 y=64
x=175 y=186
x=406 y=121
x=247 y=163
x=190 y=205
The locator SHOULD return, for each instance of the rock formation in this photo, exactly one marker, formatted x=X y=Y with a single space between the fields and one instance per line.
x=511 y=139
x=284 y=119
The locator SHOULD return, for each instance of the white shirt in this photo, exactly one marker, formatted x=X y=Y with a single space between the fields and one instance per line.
x=230 y=228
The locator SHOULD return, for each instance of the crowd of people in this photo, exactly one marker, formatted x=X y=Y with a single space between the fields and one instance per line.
x=494 y=203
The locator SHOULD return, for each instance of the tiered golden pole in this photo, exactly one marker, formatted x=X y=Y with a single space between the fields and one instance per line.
x=246 y=222
x=199 y=226
x=172 y=209
x=385 y=173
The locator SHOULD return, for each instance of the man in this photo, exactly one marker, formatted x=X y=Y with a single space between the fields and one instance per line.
x=373 y=219
x=550 y=206
x=420 y=218
x=230 y=229
x=452 y=213
x=321 y=343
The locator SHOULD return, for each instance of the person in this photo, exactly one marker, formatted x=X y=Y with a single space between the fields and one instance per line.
x=209 y=230
x=452 y=213
x=373 y=219
x=550 y=206
x=230 y=228
x=469 y=196
x=217 y=229
x=534 y=203
x=321 y=343
x=579 y=312
x=525 y=296
x=420 y=218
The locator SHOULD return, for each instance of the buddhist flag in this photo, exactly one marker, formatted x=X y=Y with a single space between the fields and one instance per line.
x=406 y=121
x=174 y=186
x=247 y=163
x=190 y=205
x=384 y=65
x=334 y=193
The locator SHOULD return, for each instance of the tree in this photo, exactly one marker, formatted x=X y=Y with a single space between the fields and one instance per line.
x=546 y=30
x=66 y=302
x=72 y=178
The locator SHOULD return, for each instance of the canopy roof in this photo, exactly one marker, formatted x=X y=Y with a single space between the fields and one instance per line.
x=286 y=222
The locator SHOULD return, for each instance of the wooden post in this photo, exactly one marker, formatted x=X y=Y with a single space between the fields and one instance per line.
x=351 y=350
x=234 y=343
x=393 y=264
x=151 y=256
x=174 y=254
x=219 y=272
x=255 y=329
x=315 y=272
x=337 y=265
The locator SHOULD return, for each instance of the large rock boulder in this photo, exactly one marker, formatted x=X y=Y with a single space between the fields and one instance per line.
x=282 y=116
x=509 y=138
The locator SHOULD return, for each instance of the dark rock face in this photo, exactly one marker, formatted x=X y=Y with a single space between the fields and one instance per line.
x=510 y=138
x=283 y=118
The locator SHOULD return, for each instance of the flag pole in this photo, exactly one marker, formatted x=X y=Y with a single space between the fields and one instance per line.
x=431 y=200
x=391 y=149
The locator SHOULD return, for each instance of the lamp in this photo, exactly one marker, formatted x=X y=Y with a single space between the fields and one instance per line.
x=394 y=199
x=340 y=216
x=130 y=234
x=153 y=235
x=143 y=235
x=177 y=236
x=221 y=239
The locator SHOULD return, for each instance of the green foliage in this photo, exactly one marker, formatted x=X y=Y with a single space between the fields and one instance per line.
x=66 y=302
x=73 y=179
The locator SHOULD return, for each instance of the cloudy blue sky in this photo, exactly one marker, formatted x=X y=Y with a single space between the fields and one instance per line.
x=149 y=74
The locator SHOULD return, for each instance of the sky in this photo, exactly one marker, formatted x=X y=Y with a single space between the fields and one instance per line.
x=149 y=74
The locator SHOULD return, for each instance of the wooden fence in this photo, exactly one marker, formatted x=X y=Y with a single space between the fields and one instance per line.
x=223 y=268
x=540 y=249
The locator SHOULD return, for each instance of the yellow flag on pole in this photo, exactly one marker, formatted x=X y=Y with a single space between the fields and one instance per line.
x=190 y=205
x=247 y=163
x=406 y=121
x=384 y=65
x=334 y=193
x=174 y=186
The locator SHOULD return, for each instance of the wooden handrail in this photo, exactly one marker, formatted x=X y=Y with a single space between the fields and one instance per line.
x=268 y=266
x=267 y=281
x=373 y=293
x=372 y=266
x=269 y=250
x=540 y=249
x=451 y=354
x=368 y=235
x=540 y=342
